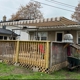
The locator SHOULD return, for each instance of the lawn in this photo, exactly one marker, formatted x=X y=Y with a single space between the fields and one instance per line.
x=14 y=72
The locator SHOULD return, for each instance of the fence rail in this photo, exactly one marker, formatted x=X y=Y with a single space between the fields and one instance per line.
x=34 y=53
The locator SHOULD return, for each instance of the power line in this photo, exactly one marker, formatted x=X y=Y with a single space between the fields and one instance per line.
x=60 y=3
x=54 y=6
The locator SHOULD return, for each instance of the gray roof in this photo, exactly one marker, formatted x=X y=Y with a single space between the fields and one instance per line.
x=7 y=32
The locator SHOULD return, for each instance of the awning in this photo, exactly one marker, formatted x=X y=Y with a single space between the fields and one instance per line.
x=57 y=21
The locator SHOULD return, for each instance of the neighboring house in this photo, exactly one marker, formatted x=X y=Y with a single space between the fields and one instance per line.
x=17 y=29
x=52 y=29
x=6 y=34
x=22 y=35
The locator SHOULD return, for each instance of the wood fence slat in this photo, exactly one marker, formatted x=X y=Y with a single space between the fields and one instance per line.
x=47 y=55
x=17 y=52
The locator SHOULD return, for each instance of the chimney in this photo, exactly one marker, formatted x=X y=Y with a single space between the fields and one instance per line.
x=4 y=18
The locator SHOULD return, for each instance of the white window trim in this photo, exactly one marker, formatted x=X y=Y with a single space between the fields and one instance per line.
x=8 y=37
x=59 y=32
x=77 y=37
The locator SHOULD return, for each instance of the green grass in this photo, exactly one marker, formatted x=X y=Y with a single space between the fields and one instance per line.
x=5 y=68
x=13 y=72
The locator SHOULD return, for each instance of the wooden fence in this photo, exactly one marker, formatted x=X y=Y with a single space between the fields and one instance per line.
x=44 y=55
x=29 y=53
x=8 y=51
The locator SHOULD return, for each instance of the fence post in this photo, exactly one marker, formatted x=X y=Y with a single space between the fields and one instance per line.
x=17 y=52
x=47 y=54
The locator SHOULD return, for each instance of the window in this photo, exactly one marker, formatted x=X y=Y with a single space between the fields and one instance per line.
x=1 y=37
x=5 y=37
x=14 y=38
x=41 y=36
x=78 y=37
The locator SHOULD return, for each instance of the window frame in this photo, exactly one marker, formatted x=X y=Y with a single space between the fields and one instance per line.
x=78 y=37
x=59 y=32
x=4 y=37
x=40 y=35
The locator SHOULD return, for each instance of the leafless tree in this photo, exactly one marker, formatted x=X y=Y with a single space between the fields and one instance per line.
x=30 y=11
x=76 y=14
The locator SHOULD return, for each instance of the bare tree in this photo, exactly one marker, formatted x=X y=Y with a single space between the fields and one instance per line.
x=30 y=11
x=76 y=14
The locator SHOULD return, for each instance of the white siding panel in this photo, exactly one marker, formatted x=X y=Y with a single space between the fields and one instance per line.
x=24 y=36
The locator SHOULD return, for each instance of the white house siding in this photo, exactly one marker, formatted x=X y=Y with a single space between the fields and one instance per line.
x=24 y=36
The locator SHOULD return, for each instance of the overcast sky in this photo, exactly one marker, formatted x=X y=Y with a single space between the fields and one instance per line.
x=8 y=7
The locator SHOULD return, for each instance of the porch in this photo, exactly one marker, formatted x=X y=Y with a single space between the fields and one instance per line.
x=44 y=55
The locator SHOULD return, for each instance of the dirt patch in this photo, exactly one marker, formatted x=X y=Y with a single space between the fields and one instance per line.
x=67 y=76
x=4 y=74
x=18 y=70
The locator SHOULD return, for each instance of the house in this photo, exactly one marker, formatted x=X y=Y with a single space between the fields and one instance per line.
x=16 y=29
x=47 y=55
x=6 y=34
x=52 y=29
